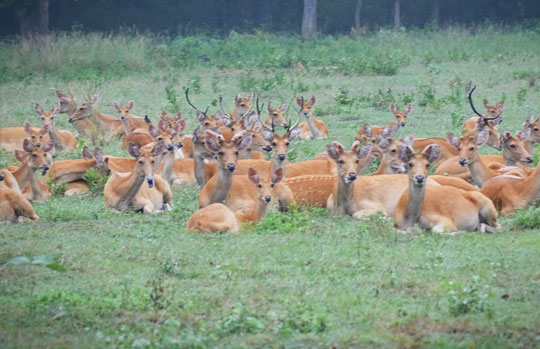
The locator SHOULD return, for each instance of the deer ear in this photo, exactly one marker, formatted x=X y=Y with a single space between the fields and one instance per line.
x=393 y=108
x=408 y=108
x=432 y=153
x=452 y=139
x=98 y=154
x=94 y=98
x=19 y=155
x=27 y=146
x=313 y=100
x=409 y=140
x=253 y=176
x=116 y=105
x=56 y=108
x=133 y=150
x=332 y=152
x=62 y=96
x=486 y=103
x=295 y=133
x=525 y=134
x=45 y=129
x=367 y=130
x=482 y=136
x=28 y=128
x=131 y=104
x=181 y=126
x=87 y=155
x=38 y=109
x=283 y=107
x=153 y=131
x=364 y=152
x=299 y=101
x=277 y=176
x=158 y=149
x=500 y=104
x=163 y=125
x=244 y=141
x=405 y=152
x=48 y=147
x=200 y=116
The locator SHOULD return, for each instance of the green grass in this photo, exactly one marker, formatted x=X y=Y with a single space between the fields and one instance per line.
x=300 y=279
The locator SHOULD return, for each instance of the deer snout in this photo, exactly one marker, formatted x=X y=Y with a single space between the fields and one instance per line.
x=1 y=176
x=267 y=148
x=151 y=181
x=419 y=179
x=285 y=125
x=403 y=124
x=122 y=117
x=281 y=157
x=44 y=169
x=306 y=113
x=38 y=145
x=530 y=160
x=170 y=147
x=267 y=198
x=463 y=162
x=231 y=167
x=179 y=145
x=352 y=176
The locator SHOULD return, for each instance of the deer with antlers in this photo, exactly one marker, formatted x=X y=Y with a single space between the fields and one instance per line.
x=491 y=119
x=220 y=218
x=311 y=128
x=276 y=115
x=63 y=139
x=241 y=106
x=443 y=209
x=123 y=190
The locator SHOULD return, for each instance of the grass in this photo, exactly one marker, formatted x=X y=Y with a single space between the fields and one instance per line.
x=299 y=279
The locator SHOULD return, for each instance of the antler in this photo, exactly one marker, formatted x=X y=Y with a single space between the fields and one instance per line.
x=192 y=105
x=221 y=107
x=301 y=106
x=469 y=95
x=291 y=128
x=271 y=129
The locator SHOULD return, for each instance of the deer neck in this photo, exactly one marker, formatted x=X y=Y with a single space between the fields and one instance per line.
x=23 y=174
x=126 y=123
x=311 y=124
x=255 y=215
x=245 y=154
x=279 y=164
x=36 y=188
x=55 y=136
x=133 y=184
x=166 y=169
x=479 y=171
x=198 y=158
x=222 y=185
x=342 y=197
x=532 y=183
x=415 y=200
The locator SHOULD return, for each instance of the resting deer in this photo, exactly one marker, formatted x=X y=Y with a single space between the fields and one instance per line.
x=449 y=146
x=390 y=161
x=73 y=171
x=33 y=158
x=85 y=128
x=368 y=132
x=276 y=115
x=129 y=121
x=110 y=126
x=480 y=169
x=123 y=190
x=439 y=208
x=14 y=206
x=311 y=128
x=220 y=218
x=491 y=119
x=217 y=188
x=510 y=192
x=63 y=139
x=12 y=138
x=371 y=135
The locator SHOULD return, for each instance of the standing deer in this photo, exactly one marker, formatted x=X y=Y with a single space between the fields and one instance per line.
x=123 y=190
x=311 y=128
x=220 y=218
x=439 y=208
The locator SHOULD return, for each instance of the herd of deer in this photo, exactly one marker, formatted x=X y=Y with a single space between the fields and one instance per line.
x=237 y=184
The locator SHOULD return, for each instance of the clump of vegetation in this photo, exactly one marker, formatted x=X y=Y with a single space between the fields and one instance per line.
x=96 y=182
x=463 y=299
x=527 y=218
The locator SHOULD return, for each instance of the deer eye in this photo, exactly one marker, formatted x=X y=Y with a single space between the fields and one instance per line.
x=411 y=165
x=259 y=185
x=160 y=138
x=357 y=161
x=427 y=165
x=471 y=148
x=393 y=150
x=42 y=118
x=274 y=144
x=221 y=153
x=235 y=153
x=140 y=162
x=536 y=128
x=34 y=155
x=287 y=144
x=341 y=161
x=152 y=161
x=513 y=146
x=206 y=123
x=272 y=185
x=275 y=114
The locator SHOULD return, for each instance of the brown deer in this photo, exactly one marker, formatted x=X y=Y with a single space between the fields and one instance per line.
x=533 y=127
x=63 y=139
x=129 y=121
x=311 y=128
x=439 y=208
x=12 y=138
x=109 y=126
x=276 y=115
x=14 y=206
x=123 y=190
x=241 y=107
x=220 y=218
x=491 y=119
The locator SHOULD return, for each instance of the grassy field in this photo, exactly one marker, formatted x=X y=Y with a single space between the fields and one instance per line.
x=299 y=279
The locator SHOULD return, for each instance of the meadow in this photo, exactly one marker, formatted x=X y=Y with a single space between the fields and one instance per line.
x=95 y=278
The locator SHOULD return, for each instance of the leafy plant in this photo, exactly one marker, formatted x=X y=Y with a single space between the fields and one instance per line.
x=57 y=189
x=527 y=218
x=241 y=320
x=173 y=101
x=463 y=299
x=96 y=182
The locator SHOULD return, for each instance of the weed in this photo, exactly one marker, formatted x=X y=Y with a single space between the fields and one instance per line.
x=527 y=218
x=463 y=299
x=96 y=182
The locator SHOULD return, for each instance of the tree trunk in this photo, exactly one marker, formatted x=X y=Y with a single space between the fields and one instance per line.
x=397 y=15
x=43 y=27
x=309 y=20
x=357 y=14
x=263 y=14
x=435 y=11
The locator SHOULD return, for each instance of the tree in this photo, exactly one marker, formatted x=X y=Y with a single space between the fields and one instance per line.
x=435 y=11
x=357 y=14
x=264 y=14
x=309 y=20
x=397 y=14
